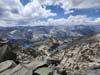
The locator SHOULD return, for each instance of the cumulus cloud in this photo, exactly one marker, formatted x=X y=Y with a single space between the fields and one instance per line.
x=35 y=9
x=79 y=4
x=71 y=20
x=67 y=5
x=12 y=12
x=75 y=20
x=97 y=20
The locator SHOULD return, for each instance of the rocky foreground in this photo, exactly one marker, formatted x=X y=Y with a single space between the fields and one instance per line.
x=79 y=57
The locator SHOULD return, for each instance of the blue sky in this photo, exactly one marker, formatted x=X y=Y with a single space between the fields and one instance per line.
x=24 y=2
x=90 y=12
x=49 y=12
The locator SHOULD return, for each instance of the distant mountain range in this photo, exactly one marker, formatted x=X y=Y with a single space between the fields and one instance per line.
x=29 y=32
x=34 y=33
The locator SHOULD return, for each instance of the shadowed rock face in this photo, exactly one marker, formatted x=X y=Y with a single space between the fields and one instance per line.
x=35 y=73
x=3 y=50
x=6 y=52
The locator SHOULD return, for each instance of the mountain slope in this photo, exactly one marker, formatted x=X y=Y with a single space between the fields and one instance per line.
x=80 y=54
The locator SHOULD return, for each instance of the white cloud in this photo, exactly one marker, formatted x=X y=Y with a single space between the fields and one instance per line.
x=35 y=9
x=97 y=20
x=79 y=19
x=12 y=12
x=79 y=4
x=71 y=20
x=70 y=4
x=61 y=21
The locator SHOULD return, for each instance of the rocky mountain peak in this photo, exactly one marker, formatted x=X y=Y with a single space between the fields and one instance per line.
x=81 y=54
